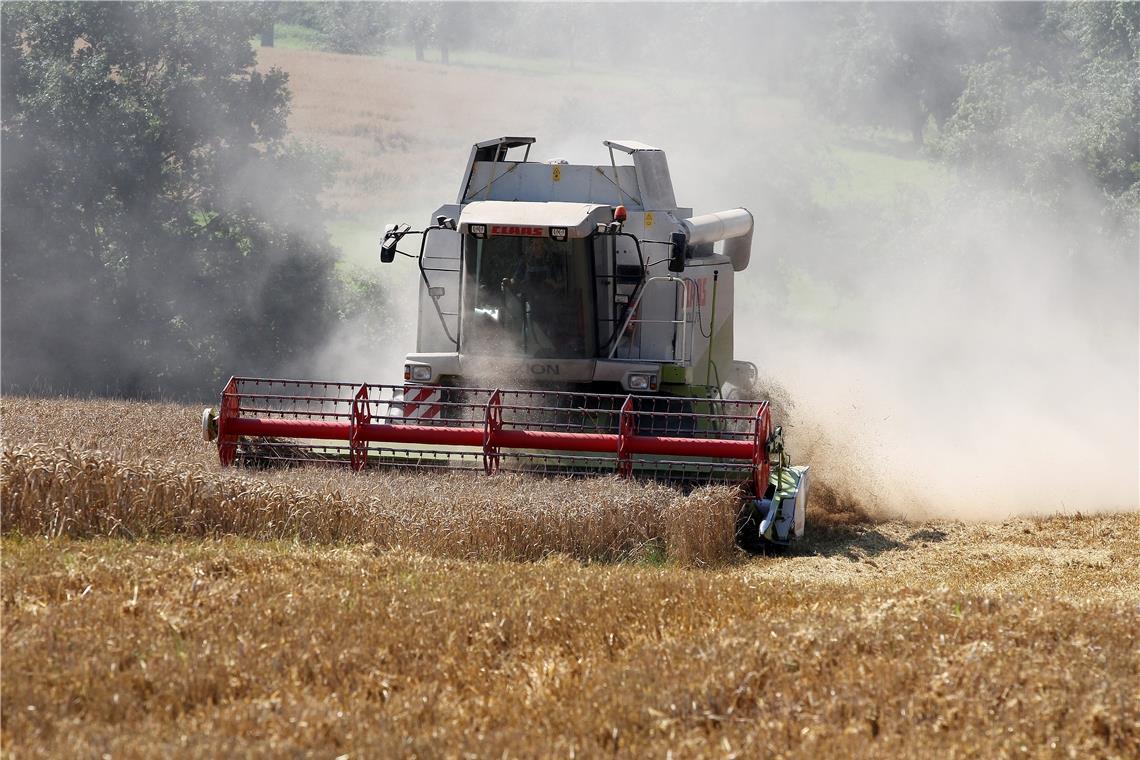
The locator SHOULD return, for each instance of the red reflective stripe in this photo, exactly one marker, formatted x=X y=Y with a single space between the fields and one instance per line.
x=424 y=393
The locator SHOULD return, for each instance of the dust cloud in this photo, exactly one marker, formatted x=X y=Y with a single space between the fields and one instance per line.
x=951 y=351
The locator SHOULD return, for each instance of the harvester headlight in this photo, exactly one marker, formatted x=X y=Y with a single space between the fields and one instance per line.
x=558 y=233
x=421 y=372
x=478 y=230
x=640 y=382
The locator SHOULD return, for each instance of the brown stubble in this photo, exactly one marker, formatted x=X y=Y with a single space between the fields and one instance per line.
x=391 y=123
x=142 y=648
x=403 y=129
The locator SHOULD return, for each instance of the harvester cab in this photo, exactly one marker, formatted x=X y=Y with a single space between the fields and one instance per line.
x=576 y=277
x=573 y=319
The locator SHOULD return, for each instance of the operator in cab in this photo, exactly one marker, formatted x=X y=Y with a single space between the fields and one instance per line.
x=539 y=273
x=539 y=283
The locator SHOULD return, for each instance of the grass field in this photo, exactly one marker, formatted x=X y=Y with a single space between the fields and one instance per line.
x=154 y=604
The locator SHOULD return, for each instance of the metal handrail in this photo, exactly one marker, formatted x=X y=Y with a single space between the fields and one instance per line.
x=682 y=322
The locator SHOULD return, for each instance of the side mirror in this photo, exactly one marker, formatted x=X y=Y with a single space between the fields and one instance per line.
x=392 y=235
x=677 y=255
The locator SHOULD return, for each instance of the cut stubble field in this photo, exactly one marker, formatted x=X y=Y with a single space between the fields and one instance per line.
x=154 y=603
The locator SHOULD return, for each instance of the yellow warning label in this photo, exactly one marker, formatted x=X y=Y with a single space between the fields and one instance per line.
x=648 y=218
x=556 y=172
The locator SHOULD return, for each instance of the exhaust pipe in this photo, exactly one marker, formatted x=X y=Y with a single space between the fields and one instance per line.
x=734 y=227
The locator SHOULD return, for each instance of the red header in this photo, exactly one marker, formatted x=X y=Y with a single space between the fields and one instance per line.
x=504 y=229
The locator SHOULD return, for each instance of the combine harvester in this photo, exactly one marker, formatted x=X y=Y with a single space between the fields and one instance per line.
x=573 y=320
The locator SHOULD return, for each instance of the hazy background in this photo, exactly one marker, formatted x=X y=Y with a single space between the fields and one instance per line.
x=944 y=277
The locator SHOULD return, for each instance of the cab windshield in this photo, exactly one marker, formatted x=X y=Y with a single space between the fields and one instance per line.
x=528 y=297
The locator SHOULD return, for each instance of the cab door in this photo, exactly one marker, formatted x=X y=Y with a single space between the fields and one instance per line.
x=440 y=284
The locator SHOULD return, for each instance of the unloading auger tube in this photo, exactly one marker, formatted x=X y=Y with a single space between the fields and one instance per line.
x=688 y=442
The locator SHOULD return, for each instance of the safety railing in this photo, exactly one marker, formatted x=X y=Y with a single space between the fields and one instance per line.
x=634 y=325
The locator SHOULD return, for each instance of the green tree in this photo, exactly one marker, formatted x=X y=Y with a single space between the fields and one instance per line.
x=353 y=27
x=899 y=65
x=158 y=230
x=1056 y=103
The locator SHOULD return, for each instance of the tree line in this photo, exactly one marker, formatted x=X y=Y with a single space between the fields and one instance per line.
x=1039 y=91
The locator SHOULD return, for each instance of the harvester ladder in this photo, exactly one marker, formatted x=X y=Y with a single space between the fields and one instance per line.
x=615 y=289
x=682 y=323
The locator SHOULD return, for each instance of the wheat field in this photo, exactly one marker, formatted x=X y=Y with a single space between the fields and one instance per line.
x=156 y=604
